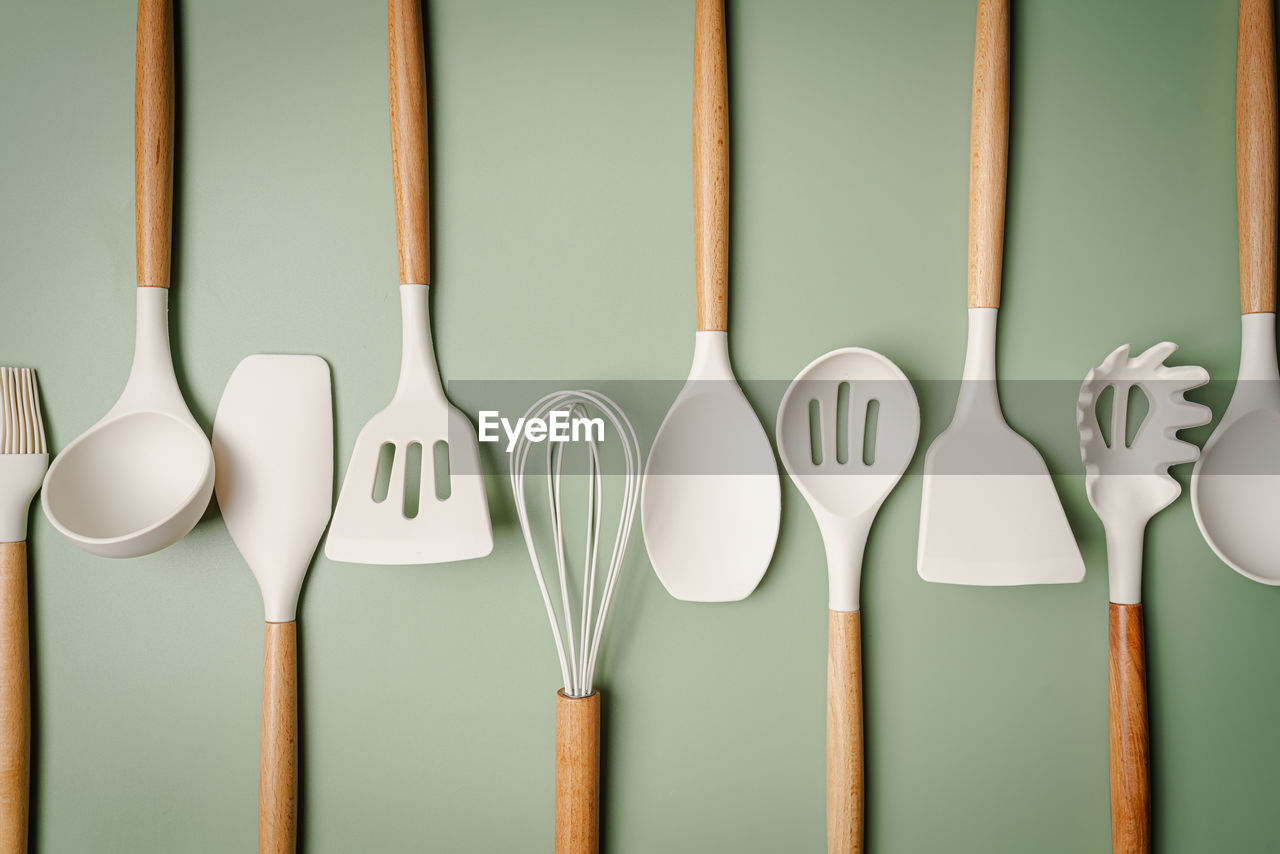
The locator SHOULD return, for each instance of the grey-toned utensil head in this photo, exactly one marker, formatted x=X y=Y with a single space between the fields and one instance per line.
x=1235 y=485
x=1127 y=471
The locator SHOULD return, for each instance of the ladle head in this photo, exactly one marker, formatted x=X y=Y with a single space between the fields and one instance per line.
x=1235 y=486
x=847 y=430
x=140 y=478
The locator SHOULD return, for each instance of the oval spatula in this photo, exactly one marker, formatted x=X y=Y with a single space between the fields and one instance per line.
x=273 y=440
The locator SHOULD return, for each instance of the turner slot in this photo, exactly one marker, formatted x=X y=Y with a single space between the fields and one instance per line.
x=412 y=479
x=444 y=486
x=382 y=475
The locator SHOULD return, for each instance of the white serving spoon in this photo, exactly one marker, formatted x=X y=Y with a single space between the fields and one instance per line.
x=1235 y=486
x=140 y=478
x=710 y=500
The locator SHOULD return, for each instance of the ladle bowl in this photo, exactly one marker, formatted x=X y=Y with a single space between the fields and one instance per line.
x=131 y=485
x=140 y=479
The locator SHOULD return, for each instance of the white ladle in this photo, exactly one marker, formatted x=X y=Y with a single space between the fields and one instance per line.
x=845 y=494
x=1235 y=486
x=140 y=478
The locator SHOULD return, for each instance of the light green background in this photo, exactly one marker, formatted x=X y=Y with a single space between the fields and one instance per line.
x=563 y=247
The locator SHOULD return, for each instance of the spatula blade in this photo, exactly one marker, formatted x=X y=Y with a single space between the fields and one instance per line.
x=273 y=446
x=990 y=515
x=452 y=528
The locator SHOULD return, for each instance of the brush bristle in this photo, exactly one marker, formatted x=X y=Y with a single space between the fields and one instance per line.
x=21 y=428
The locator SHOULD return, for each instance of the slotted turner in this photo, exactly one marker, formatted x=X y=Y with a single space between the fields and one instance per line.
x=1128 y=482
x=863 y=398
x=414 y=521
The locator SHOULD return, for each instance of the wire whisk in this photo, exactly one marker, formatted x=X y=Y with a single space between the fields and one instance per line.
x=578 y=630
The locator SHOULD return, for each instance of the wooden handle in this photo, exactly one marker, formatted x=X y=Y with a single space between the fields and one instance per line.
x=1256 y=155
x=577 y=774
x=153 y=142
x=407 y=81
x=844 y=733
x=1130 y=760
x=15 y=700
x=988 y=152
x=278 y=747
x=710 y=166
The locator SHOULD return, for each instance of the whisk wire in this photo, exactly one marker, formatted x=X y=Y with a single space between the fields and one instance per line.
x=578 y=650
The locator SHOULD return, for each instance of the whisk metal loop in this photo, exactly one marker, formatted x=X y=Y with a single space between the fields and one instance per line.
x=578 y=635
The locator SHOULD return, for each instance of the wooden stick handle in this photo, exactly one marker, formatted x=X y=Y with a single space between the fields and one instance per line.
x=278 y=747
x=988 y=152
x=577 y=774
x=153 y=142
x=1256 y=155
x=1130 y=759
x=15 y=700
x=710 y=166
x=844 y=733
x=407 y=81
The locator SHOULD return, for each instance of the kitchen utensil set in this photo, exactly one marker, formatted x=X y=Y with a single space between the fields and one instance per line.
x=710 y=497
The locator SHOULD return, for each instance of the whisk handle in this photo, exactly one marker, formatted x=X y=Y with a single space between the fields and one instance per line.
x=1130 y=755
x=577 y=774
x=844 y=733
x=278 y=745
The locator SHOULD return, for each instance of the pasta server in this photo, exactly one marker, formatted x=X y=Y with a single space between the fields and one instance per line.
x=1127 y=480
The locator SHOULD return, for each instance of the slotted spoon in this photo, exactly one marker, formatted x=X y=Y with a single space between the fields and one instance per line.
x=862 y=398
